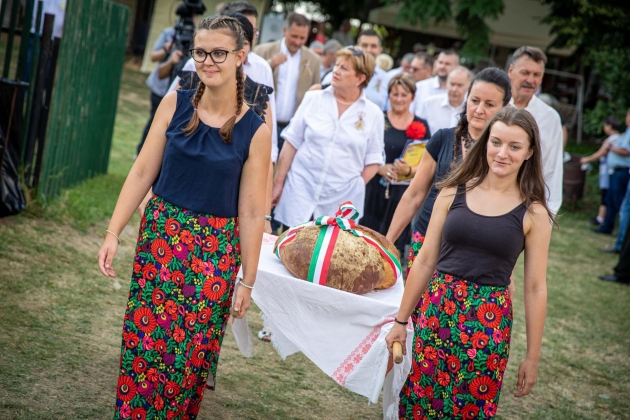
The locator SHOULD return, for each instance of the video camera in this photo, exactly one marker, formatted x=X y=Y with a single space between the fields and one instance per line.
x=185 y=29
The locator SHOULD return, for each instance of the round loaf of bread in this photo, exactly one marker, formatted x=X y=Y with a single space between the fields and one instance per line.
x=355 y=266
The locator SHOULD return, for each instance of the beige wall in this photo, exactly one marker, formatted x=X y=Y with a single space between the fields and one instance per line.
x=163 y=19
x=519 y=25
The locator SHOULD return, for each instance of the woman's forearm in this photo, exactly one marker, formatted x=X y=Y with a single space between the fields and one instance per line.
x=368 y=172
x=284 y=162
x=251 y=231
x=413 y=197
x=406 y=209
x=535 y=313
x=133 y=191
x=416 y=284
x=269 y=188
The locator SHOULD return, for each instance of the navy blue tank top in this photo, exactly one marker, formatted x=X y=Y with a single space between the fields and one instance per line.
x=200 y=172
x=481 y=249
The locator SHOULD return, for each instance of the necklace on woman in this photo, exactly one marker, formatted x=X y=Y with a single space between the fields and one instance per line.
x=468 y=142
x=345 y=103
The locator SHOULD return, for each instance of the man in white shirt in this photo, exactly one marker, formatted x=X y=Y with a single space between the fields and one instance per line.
x=376 y=91
x=443 y=110
x=329 y=56
x=405 y=62
x=445 y=62
x=295 y=68
x=526 y=74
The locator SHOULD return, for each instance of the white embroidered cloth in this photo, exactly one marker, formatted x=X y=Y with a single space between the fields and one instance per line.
x=342 y=333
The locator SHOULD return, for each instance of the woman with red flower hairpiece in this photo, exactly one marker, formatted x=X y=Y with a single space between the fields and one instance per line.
x=489 y=210
x=381 y=198
x=207 y=158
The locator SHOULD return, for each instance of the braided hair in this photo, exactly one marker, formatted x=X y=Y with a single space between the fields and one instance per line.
x=234 y=28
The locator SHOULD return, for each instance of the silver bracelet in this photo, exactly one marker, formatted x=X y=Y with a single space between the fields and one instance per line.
x=245 y=285
x=116 y=236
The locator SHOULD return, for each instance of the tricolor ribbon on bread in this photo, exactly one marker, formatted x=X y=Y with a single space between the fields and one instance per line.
x=345 y=219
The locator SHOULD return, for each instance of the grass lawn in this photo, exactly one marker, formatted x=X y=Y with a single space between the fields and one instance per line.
x=60 y=346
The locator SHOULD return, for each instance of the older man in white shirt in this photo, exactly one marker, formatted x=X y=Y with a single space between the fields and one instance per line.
x=443 y=110
x=445 y=62
x=526 y=73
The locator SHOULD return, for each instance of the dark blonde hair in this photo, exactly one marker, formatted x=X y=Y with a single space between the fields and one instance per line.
x=362 y=62
x=405 y=80
x=530 y=175
x=233 y=28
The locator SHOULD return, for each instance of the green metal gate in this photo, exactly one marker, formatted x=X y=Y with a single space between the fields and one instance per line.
x=85 y=95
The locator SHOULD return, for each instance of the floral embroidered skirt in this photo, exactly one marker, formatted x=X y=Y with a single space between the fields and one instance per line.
x=179 y=300
x=461 y=347
x=417 y=239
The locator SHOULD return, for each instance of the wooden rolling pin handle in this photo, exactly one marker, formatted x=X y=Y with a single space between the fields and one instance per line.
x=397 y=352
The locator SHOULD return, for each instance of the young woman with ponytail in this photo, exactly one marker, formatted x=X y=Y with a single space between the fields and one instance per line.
x=207 y=157
x=488 y=93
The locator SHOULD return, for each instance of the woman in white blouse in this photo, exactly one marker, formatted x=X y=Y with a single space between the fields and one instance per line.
x=333 y=145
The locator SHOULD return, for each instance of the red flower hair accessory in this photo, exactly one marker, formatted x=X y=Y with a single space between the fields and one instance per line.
x=416 y=130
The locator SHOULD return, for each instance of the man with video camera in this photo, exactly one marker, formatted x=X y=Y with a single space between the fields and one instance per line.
x=169 y=49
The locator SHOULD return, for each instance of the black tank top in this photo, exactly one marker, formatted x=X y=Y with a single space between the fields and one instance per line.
x=481 y=249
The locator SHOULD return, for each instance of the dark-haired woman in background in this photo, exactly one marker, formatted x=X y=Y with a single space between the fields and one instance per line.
x=488 y=93
x=488 y=211
x=381 y=198
x=207 y=156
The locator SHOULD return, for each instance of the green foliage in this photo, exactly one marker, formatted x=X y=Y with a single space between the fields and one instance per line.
x=469 y=15
x=336 y=10
x=591 y=23
x=600 y=28
x=594 y=118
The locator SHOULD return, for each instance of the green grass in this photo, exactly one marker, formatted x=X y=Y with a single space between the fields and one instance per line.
x=62 y=319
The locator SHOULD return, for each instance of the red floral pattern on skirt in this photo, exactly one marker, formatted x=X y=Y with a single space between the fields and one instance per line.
x=179 y=300
x=460 y=351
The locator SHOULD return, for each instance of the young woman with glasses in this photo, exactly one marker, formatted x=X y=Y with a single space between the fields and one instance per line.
x=207 y=157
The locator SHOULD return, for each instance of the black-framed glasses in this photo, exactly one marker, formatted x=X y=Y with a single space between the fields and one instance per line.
x=217 y=56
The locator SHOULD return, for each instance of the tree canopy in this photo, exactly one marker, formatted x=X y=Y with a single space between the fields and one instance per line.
x=469 y=15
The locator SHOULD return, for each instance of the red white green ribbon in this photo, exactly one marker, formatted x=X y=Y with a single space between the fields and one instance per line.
x=345 y=219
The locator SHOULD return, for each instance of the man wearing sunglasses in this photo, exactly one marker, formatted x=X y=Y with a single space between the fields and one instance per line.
x=421 y=67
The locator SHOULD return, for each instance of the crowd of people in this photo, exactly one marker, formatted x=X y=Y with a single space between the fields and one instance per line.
x=269 y=136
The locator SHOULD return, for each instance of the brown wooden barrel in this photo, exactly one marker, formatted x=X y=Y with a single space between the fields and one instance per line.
x=573 y=180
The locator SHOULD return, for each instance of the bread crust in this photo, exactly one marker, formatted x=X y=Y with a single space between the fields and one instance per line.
x=355 y=267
